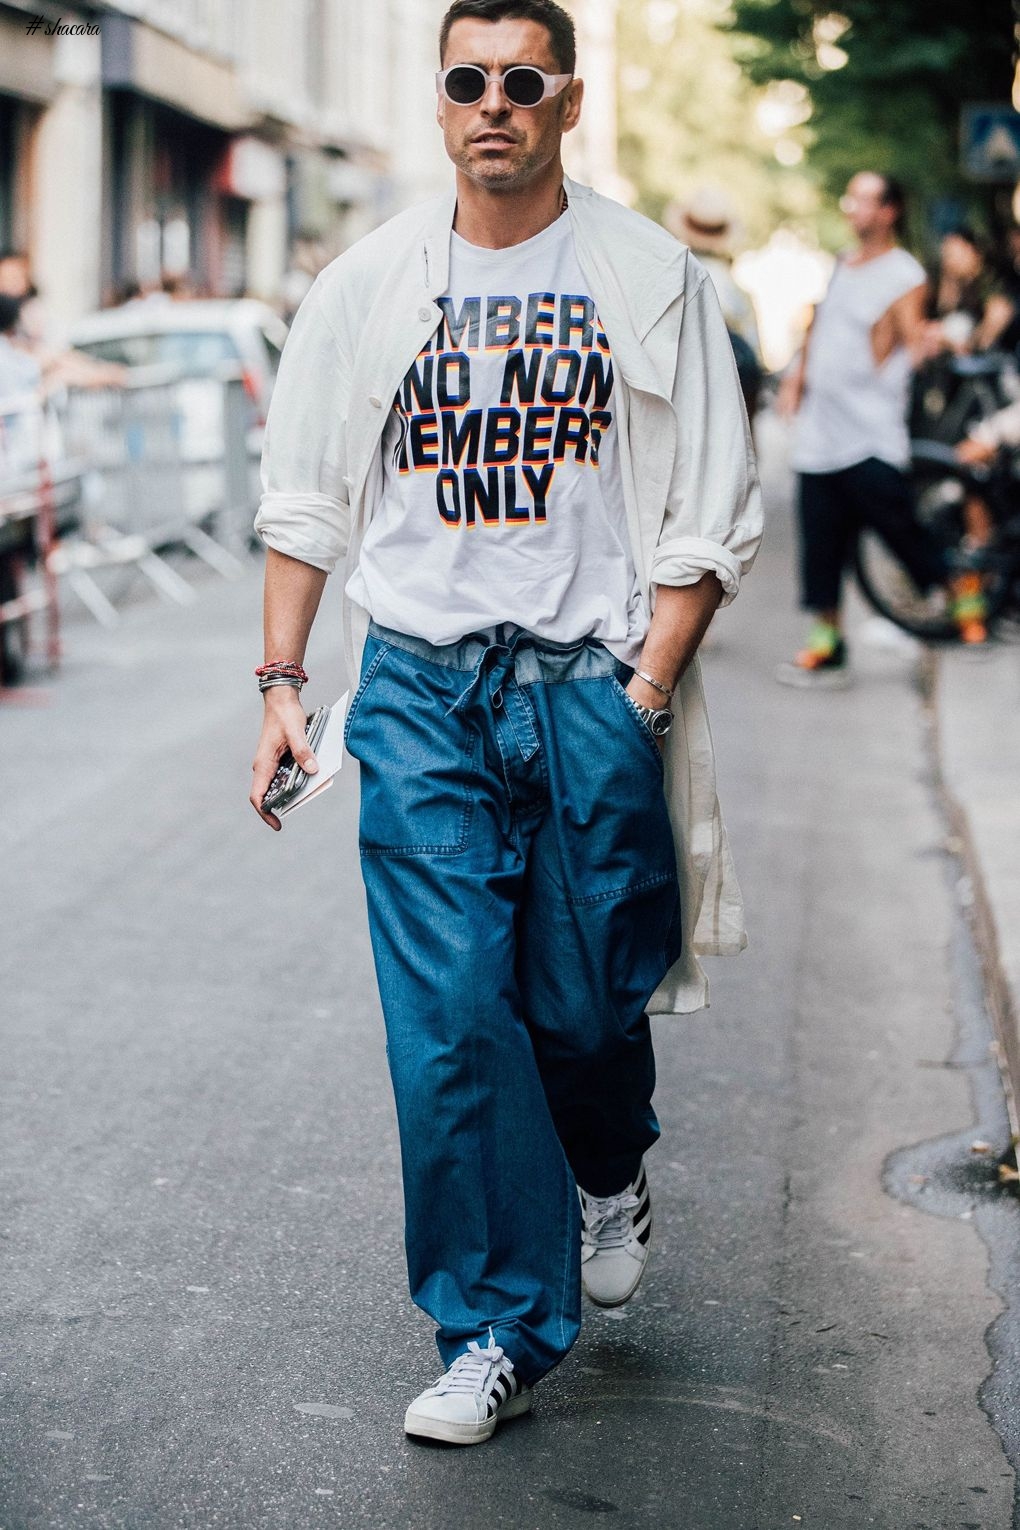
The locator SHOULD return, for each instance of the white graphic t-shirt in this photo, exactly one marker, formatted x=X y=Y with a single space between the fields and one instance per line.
x=502 y=498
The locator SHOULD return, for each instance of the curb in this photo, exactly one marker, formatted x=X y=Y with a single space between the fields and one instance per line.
x=978 y=909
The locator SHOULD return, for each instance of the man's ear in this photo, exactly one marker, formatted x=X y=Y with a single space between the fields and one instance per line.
x=574 y=95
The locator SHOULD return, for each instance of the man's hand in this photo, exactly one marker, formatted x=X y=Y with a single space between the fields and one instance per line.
x=975 y=453
x=292 y=594
x=647 y=696
x=283 y=727
x=789 y=394
x=679 y=622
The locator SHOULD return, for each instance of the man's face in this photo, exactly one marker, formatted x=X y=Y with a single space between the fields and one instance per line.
x=499 y=146
x=959 y=258
x=14 y=278
x=863 y=207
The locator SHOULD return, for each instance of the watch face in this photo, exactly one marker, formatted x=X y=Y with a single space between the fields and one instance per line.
x=660 y=723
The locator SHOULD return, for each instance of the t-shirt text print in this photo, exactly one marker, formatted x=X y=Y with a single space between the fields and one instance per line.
x=502 y=495
x=496 y=465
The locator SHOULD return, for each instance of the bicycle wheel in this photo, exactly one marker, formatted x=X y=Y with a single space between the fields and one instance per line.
x=939 y=500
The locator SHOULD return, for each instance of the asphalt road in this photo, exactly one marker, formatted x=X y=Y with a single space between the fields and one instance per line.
x=205 y=1319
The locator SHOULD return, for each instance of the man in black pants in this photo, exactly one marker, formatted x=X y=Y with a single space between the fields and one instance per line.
x=851 y=445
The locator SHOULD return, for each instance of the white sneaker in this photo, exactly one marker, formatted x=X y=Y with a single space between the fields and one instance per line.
x=465 y=1405
x=615 y=1239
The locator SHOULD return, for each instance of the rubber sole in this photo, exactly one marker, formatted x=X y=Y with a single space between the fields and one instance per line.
x=425 y=1428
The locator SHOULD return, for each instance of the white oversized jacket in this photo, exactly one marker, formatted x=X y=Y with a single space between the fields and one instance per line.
x=691 y=488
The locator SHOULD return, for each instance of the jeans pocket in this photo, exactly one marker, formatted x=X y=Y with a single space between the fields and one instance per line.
x=374 y=654
x=417 y=758
x=637 y=721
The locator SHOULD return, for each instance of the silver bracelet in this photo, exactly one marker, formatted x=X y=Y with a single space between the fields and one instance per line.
x=656 y=684
x=267 y=682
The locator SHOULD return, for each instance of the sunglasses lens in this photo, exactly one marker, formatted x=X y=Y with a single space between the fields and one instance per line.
x=523 y=86
x=465 y=85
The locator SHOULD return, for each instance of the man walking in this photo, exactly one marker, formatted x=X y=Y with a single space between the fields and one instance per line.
x=514 y=414
x=851 y=447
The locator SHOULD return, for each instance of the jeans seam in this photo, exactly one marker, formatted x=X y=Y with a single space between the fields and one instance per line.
x=584 y=900
x=571 y=1191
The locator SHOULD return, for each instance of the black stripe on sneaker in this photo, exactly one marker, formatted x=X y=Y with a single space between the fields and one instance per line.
x=642 y=1215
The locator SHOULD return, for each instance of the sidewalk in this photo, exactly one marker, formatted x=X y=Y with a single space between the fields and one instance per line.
x=977 y=705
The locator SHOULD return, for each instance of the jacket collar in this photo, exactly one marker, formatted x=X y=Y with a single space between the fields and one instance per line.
x=653 y=282
x=655 y=268
x=436 y=270
x=629 y=307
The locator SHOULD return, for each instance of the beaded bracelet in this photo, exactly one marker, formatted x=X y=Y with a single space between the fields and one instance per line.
x=280 y=672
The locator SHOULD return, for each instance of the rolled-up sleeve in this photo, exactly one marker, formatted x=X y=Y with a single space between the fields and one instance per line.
x=713 y=520
x=304 y=510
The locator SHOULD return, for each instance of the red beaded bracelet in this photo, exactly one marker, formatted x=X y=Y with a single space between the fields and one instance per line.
x=288 y=667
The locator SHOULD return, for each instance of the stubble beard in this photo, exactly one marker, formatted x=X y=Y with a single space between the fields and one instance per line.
x=500 y=174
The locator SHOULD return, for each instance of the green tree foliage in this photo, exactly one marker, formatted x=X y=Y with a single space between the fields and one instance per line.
x=886 y=79
x=689 y=115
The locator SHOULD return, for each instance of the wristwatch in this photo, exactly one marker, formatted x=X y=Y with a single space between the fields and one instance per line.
x=658 y=720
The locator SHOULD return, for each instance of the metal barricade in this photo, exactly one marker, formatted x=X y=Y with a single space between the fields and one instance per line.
x=240 y=467
x=157 y=451
x=31 y=473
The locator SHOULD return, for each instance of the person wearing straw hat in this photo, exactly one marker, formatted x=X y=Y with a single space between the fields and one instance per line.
x=706 y=223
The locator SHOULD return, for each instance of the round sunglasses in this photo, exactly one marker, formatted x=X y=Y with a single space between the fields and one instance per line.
x=523 y=84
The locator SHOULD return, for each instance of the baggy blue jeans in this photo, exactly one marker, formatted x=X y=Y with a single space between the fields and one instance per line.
x=523 y=906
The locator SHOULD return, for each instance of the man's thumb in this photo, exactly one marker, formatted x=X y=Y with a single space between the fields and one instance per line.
x=304 y=756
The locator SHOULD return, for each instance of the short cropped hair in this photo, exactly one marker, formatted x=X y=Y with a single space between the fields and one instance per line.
x=557 y=22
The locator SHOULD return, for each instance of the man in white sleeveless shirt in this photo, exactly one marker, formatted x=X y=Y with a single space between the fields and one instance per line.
x=516 y=415
x=851 y=446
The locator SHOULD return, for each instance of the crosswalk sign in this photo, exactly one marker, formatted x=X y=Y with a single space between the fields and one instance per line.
x=990 y=143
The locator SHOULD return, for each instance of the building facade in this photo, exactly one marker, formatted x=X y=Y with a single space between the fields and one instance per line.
x=230 y=146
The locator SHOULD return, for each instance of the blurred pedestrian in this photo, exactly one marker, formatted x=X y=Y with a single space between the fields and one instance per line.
x=16 y=282
x=971 y=307
x=307 y=258
x=20 y=389
x=19 y=371
x=490 y=406
x=1009 y=267
x=706 y=224
x=851 y=449
x=58 y=366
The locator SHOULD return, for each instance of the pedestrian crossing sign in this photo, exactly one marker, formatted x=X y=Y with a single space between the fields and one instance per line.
x=990 y=143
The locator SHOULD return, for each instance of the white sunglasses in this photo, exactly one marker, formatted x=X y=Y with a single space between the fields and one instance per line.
x=523 y=84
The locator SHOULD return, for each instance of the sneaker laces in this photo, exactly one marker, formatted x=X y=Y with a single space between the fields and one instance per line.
x=607 y=1221
x=477 y=1369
